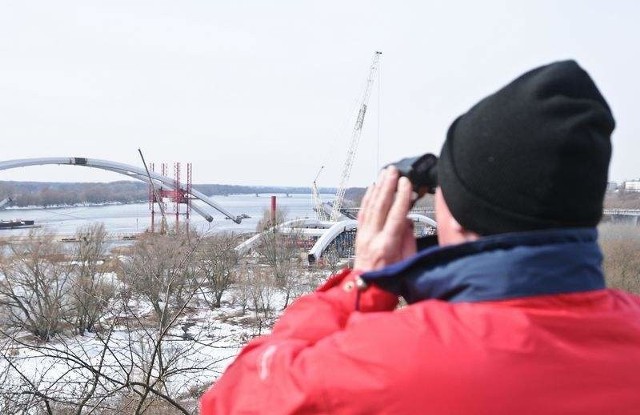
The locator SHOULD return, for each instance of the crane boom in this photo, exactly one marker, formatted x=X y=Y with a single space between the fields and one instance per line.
x=317 y=202
x=355 y=138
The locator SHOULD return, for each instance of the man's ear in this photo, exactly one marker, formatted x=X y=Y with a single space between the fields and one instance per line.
x=454 y=225
x=465 y=234
x=450 y=232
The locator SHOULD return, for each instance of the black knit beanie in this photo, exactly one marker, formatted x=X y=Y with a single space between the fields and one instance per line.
x=533 y=155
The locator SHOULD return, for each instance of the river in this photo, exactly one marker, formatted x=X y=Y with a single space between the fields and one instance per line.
x=122 y=220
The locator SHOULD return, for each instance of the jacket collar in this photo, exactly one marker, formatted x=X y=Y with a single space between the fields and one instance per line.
x=499 y=267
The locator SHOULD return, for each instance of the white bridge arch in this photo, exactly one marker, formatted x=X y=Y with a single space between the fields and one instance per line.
x=350 y=225
x=326 y=230
x=127 y=170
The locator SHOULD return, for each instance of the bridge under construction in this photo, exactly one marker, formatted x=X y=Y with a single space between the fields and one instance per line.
x=327 y=232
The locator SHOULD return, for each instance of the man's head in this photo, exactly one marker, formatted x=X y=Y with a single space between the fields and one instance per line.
x=533 y=155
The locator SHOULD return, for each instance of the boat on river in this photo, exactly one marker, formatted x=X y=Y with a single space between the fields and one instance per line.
x=16 y=224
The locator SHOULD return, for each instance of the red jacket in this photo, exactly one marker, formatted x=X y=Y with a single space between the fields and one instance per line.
x=567 y=353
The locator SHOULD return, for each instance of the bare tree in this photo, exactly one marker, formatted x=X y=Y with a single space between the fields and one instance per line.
x=217 y=261
x=161 y=271
x=241 y=288
x=331 y=259
x=269 y=219
x=91 y=290
x=258 y=284
x=621 y=245
x=134 y=365
x=129 y=368
x=279 y=249
x=34 y=289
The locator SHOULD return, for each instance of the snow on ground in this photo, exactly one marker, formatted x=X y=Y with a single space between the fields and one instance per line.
x=199 y=348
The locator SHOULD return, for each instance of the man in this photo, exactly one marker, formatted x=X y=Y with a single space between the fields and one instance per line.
x=509 y=315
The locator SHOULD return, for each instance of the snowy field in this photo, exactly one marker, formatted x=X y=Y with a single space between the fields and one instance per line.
x=130 y=352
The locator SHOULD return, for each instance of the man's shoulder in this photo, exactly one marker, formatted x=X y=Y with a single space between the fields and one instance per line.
x=490 y=320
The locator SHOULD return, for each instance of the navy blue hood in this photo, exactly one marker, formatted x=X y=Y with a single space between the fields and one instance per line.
x=499 y=267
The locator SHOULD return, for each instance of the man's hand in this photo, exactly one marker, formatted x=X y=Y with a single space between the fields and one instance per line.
x=385 y=234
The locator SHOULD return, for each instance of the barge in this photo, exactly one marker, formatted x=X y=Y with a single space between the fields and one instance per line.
x=16 y=224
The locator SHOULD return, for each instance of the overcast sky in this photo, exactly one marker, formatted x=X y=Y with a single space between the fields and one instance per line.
x=264 y=92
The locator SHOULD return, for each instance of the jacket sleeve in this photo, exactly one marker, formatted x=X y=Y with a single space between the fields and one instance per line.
x=282 y=373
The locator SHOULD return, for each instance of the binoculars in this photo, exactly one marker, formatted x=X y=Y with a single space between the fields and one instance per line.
x=421 y=171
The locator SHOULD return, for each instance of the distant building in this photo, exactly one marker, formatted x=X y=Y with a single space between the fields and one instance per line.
x=632 y=185
x=612 y=186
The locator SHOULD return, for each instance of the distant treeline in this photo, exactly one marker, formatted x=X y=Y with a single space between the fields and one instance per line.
x=57 y=194
x=67 y=194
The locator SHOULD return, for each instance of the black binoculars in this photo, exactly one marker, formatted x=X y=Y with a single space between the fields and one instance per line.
x=421 y=171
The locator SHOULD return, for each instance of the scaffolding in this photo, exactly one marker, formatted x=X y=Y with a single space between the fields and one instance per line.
x=172 y=198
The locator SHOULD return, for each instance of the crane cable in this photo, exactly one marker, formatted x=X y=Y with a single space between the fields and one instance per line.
x=355 y=138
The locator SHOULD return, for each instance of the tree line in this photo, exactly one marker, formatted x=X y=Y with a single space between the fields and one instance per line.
x=56 y=194
x=69 y=194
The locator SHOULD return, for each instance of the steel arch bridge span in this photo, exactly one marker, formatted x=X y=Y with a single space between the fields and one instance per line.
x=332 y=233
x=416 y=217
x=349 y=225
x=327 y=230
x=125 y=169
x=292 y=226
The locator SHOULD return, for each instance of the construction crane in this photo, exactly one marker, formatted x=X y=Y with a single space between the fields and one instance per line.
x=318 y=206
x=355 y=138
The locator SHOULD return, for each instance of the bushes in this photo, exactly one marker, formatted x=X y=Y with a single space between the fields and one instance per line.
x=147 y=337
x=47 y=288
x=34 y=289
x=622 y=200
x=621 y=248
x=217 y=262
x=161 y=271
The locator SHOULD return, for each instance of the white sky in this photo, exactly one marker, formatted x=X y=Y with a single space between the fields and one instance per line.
x=264 y=92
